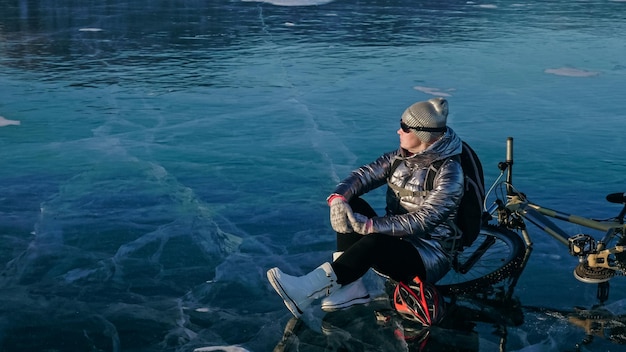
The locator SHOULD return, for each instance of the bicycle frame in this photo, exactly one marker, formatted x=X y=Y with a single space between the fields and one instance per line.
x=594 y=253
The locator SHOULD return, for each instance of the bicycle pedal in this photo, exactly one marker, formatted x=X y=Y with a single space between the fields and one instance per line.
x=581 y=245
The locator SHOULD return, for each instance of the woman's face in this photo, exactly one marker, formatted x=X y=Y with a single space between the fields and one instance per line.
x=410 y=142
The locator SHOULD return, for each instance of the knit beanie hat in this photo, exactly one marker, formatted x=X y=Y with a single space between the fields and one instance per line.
x=431 y=114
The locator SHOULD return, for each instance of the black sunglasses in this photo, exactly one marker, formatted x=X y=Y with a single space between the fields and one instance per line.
x=406 y=128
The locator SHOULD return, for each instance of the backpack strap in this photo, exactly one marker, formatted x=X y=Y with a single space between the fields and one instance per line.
x=479 y=184
x=432 y=172
x=451 y=242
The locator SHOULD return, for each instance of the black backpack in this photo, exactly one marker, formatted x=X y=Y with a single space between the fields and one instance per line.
x=469 y=217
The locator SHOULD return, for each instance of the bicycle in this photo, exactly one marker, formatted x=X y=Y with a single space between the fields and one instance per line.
x=504 y=244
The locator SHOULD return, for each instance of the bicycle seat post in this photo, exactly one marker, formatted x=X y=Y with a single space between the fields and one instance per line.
x=509 y=162
x=620 y=217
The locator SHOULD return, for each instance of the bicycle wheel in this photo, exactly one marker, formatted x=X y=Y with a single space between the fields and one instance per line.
x=502 y=255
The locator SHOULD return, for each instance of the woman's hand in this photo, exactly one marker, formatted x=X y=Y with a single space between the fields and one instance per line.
x=361 y=224
x=339 y=210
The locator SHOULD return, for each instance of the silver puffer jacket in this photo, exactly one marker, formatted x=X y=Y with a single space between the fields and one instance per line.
x=423 y=219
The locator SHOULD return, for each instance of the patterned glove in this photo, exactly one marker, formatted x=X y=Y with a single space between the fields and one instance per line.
x=361 y=224
x=339 y=210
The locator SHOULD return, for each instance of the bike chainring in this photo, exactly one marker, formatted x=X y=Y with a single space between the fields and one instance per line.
x=589 y=275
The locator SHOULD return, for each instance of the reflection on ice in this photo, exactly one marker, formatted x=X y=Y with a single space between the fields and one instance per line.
x=600 y=327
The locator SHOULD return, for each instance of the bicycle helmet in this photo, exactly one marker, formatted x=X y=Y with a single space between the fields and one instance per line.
x=419 y=302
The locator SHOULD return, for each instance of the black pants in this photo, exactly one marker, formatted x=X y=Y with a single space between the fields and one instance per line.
x=391 y=256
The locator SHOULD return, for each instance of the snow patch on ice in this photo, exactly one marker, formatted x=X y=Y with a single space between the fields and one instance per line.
x=293 y=2
x=221 y=349
x=433 y=91
x=571 y=72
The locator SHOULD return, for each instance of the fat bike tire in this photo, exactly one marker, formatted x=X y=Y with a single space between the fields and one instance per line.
x=503 y=256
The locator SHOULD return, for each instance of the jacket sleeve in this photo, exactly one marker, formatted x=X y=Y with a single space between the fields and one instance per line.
x=440 y=203
x=366 y=177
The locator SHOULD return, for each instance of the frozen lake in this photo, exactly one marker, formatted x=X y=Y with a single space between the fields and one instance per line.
x=156 y=158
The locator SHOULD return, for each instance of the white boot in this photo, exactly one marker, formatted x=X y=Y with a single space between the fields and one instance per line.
x=299 y=292
x=346 y=296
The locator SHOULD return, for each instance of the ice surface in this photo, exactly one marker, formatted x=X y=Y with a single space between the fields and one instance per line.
x=167 y=156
